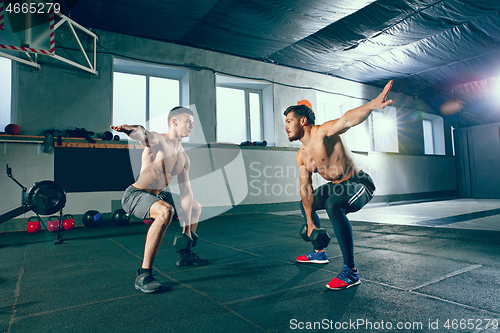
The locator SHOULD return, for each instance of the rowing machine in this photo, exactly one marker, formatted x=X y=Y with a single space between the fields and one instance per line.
x=44 y=198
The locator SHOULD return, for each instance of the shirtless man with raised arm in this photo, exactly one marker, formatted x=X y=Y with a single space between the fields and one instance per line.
x=162 y=159
x=349 y=188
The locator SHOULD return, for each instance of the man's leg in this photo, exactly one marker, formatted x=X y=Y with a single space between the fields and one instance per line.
x=161 y=213
x=186 y=257
x=144 y=205
x=341 y=227
x=190 y=258
x=353 y=197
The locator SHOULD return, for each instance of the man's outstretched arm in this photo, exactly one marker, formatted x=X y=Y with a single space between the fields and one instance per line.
x=138 y=133
x=355 y=116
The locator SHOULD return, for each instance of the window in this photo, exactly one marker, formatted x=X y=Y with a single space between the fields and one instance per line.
x=333 y=106
x=129 y=99
x=379 y=133
x=328 y=107
x=143 y=94
x=428 y=137
x=359 y=137
x=453 y=140
x=243 y=109
x=385 y=130
x=5 y=92
x=433 y=130
x=164 y=94
x=231 y=115
x=254 y=99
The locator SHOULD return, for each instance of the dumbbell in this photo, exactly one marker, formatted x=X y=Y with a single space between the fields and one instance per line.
x=320 y=238
x=184 y=242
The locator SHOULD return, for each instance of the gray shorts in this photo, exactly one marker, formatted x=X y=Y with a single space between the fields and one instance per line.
x=137 y=202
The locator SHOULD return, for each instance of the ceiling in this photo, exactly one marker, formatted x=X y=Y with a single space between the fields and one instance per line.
x=435 y=51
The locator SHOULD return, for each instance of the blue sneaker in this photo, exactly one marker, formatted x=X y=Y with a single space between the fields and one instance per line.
x=346 y=279
x=314 y=257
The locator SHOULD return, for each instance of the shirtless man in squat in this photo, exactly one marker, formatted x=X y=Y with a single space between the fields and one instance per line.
x=349 y=188
x=162 y=159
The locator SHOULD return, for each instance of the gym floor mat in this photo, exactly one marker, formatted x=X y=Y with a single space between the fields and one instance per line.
x=411 y=276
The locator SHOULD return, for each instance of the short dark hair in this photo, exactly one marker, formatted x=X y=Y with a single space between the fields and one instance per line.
x=178 y=110
x=302 y=111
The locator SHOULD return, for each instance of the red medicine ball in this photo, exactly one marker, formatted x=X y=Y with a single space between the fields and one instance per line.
x=12 y=129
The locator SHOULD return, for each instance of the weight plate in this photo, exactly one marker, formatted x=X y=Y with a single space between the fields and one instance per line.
x=46 y=197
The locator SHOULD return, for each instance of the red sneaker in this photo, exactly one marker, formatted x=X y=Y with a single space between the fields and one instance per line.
x=314 y=257
x=347 y=278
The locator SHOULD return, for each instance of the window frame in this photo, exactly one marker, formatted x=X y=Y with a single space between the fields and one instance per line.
x=247 y=92
x=148 y=71
x=453 y=140
x=10 y=103
x=438 y=135
x=429 y=122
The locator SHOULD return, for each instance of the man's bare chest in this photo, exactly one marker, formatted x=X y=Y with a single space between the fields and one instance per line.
x=315 y=157
x=178 y=159
x=180 y=163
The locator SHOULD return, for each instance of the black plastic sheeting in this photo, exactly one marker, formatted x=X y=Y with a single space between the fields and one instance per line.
x=434 y=50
